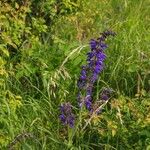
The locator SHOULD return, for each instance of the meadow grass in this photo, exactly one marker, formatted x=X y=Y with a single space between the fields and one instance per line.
x=46 y=76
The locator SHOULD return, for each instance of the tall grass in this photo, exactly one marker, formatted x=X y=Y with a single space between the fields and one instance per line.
x=43 y=73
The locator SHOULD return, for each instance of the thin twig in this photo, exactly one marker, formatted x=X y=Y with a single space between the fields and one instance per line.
x=18 y=139
x=119 y=115
x=73 y=51
x=93 y=114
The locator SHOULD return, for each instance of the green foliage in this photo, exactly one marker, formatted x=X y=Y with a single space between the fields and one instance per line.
x=42 y=47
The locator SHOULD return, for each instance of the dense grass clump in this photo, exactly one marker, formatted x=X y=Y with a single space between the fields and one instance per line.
x=44 y=45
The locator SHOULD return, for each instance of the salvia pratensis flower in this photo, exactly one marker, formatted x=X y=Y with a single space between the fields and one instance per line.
x=66 y=116
x=95 y=65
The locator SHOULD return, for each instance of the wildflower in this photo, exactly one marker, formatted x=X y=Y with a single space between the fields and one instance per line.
x=88 y=102
x=95 y=64
x=93 y=43
x=66 y=116
x=83 y=77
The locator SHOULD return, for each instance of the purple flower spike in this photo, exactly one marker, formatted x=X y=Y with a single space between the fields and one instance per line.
x=83 y=73
x=66 y=116
x=88 y=102
x=90 y=72
x=93 y=44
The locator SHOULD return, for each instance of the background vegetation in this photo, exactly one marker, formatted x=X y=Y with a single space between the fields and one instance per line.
x=42 y=47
